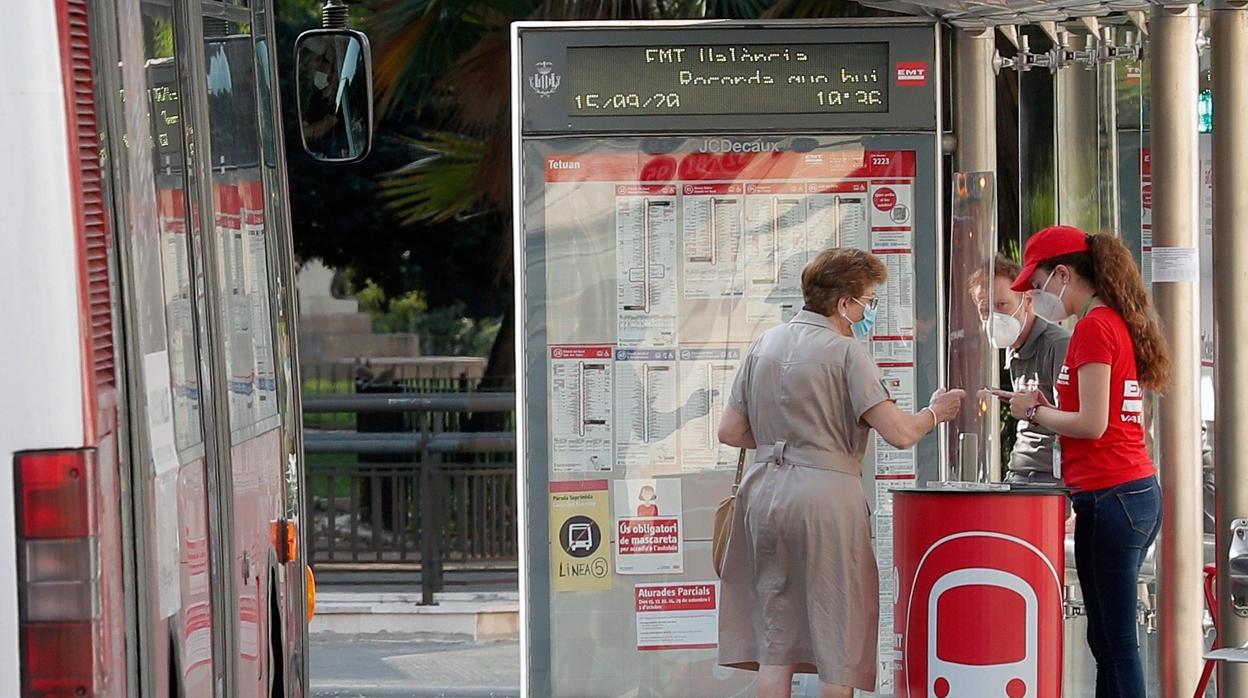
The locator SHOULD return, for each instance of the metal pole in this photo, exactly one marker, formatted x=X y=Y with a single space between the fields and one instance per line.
x=1175 y=225
x=1078 y=149
x=429 y=524
x=975 y=100
x=1107 y=133
x=1230 y=282
x=975 y=118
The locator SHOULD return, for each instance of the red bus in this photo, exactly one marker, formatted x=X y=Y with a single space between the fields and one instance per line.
x=150 y=415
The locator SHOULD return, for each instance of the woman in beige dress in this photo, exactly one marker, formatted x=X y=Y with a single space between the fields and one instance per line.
x=800 y=587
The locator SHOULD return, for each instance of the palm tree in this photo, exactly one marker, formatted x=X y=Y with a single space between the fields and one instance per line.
x=446 y=64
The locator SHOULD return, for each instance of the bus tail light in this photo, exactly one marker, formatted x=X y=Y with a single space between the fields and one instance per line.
x=59 y=572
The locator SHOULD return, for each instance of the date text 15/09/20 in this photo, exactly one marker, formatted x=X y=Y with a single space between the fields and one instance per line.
x=660 y=101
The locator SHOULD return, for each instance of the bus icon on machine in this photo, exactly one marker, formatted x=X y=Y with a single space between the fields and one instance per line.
x=964 y=660
x=580 y=537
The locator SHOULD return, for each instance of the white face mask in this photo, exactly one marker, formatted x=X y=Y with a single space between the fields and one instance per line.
x=1049 y=305
x=1003 y=330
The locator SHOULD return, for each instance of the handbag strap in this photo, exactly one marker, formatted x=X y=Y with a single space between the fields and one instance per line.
x=740 y=469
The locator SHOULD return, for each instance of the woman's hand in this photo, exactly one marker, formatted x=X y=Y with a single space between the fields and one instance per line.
x=1020 y=403
x=946 y=403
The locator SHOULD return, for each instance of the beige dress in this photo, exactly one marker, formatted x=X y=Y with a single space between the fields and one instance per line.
x=799 y=582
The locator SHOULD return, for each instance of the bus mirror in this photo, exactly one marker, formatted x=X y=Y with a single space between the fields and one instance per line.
x=334 y=81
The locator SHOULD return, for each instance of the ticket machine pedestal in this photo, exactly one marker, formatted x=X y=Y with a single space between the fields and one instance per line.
x=978 y=581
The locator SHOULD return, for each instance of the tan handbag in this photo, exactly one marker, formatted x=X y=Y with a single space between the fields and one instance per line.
x=723 y=520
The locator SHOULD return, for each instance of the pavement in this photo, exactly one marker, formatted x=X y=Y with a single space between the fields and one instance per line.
x=420 y=666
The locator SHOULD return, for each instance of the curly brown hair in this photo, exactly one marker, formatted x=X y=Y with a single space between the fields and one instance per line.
x=840 y=272
x=1110 y=268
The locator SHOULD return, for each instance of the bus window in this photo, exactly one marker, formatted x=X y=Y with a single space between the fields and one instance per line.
x=241 y=226
x=169 y=168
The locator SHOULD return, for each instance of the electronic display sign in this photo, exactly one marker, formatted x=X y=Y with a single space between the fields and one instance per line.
x=771 y=77
x=706 y=79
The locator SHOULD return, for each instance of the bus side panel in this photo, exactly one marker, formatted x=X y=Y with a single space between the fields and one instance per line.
x=257 y=499
x=42 y=393
x=195 y=626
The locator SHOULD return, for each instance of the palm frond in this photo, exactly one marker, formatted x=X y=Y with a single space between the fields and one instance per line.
x=418 y=40
x=618 y=9
x=736 y=9
x=441 y=184
x=477 y=84
x=814 y=9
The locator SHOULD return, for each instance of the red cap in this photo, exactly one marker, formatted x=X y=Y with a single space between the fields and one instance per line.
x=1054 y=241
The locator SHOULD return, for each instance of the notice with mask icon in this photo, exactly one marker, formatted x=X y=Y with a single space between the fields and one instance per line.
x=648 y=536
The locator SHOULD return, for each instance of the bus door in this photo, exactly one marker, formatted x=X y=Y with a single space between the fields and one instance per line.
x=170 y=489
x=280 y=247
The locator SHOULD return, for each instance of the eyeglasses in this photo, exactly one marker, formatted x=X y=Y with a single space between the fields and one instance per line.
x=870 y=301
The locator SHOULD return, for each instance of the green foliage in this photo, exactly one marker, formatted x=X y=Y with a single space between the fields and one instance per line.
x=327 y=386
x=443 y=331
x=1011 y=250
x=438 y=186
x=446 y=332
x=1039 y=204
x=162 y=40
x=328 y=420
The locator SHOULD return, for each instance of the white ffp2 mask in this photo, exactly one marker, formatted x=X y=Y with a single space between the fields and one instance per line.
x=1003 y=330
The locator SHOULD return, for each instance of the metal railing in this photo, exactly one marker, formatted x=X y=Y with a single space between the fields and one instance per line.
x=428 y=493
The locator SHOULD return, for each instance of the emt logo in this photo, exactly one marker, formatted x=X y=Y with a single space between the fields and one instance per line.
x=911 y=73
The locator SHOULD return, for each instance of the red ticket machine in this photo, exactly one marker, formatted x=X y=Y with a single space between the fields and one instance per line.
x=979 y=593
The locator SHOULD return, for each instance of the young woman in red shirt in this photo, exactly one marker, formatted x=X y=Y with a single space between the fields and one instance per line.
x=1116 y=353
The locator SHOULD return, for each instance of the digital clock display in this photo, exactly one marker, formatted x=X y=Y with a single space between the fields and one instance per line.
x=737 y=78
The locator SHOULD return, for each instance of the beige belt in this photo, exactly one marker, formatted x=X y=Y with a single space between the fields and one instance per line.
x=781 y=453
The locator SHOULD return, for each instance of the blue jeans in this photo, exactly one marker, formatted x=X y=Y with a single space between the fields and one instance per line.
x=1113 y=529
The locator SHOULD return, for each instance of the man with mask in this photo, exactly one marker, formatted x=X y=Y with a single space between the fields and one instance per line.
x=1035 y=349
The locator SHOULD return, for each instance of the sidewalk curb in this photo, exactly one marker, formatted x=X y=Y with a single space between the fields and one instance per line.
x=475 y=615
x=356 y=691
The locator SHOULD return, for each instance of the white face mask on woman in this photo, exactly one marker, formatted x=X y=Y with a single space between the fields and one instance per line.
x=1047 y=304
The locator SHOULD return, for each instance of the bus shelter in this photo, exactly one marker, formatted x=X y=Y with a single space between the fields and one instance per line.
x=671 y=180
